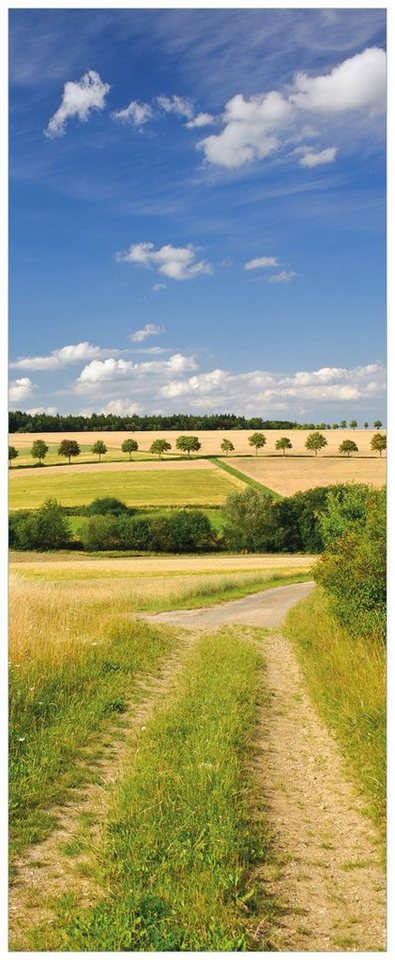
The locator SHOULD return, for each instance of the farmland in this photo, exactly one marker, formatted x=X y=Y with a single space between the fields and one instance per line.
x=289 y=474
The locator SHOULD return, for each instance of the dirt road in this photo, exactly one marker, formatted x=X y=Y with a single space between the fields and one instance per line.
x=264 y=609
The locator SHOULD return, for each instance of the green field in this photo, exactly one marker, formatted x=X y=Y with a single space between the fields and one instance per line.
x=143 y=488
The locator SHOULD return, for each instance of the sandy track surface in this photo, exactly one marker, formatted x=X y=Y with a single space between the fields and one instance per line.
x=264 y=609
x=288 y=474
x=135 y=466
x=326 y=876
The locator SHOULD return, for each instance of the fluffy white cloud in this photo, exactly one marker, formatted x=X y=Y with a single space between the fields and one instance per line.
x=79 y=98
x=261 y=262
x=270 y=391
x=122 y=407
x=101 y=371
x=51 y=411
x=20 y=389
x=309 y=158
x=136 y=114
x=74 y=353
x=265 y=123
x=150 y=330
x=284 y=276
x=201 y=120
x=181 y=106
x=357 y=83
x=179 y=263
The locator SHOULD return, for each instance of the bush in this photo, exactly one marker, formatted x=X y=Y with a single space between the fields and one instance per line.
x=108 y=506
x=42 y=529
x=299 y=519
x=134 y=533
x=182 y=531
x=249 y=521
x=100 y=533
x=353 y=568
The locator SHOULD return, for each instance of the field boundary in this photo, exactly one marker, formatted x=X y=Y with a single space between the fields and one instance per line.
x=246 y=479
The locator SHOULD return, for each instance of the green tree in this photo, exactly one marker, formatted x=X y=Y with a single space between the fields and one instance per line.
x=257 y=440
x=335 y=426
x=43 y=529
x=100 y=448
x=343 y=424
x=160 y=447
x=250 y=522
x=186 y=444
x=227 y=446
x=379 y=442
x=353 y=424
x=316 y=441
x=377 y=424
x=348 y=446
x=69 y=449
x=366 y=425
x=283 y=444
x=12 y=454
x=39 y=450
x=129 y=446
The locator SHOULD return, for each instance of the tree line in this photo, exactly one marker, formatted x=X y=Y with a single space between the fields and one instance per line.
x=22 y=422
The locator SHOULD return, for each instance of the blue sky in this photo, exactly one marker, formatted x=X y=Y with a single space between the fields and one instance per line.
x=197 y=211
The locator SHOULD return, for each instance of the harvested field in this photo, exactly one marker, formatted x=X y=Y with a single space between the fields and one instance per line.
x=288 y=474
x=64 y=469
x=47 y=566
x=210 y=440
x=164 y=487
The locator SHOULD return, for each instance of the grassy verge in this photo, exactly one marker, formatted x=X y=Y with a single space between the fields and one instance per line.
x=245 y=478
x=346 y=678
x=180 y=841
x=74 y=668
x=231 y=588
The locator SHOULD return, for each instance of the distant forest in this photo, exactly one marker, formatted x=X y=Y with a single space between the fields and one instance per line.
x=20 y=422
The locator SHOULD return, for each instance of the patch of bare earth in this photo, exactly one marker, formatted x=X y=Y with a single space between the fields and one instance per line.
x=64 y=862
x=326 y=876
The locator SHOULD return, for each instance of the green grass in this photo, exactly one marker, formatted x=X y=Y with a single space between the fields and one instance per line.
x=181 y=837
x=57 y=709
x=207 y=595
x=175 y=487
x=245 y=478
x=346 y=677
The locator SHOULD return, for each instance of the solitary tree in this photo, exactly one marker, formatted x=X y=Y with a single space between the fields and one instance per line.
x=366 y=424
x=379 y=442
x=283 y=444
x=348 y=446
x=316 y=441
x=353 y=424
x=69 y=449
x=335 y=426
x=160 y=447
x=39 y=450
x=100 y=448
x=257 y=440
x=186 y=444
x=377 y=424
x=343 y=424
x=227 y=446
x=12 y=454
x=129 y=446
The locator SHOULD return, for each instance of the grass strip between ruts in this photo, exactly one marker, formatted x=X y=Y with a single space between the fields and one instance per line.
x=182 y=837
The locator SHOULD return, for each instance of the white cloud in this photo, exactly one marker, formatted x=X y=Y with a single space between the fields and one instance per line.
x=122 y=407
x=309 y=158
x=79 y=98
x=179 y=263
x=271 y=391
x=158 y=286
x=150 y=330
x=101 y=371
x=20 y=389
x=51 y=411
x=136 y=114
x=74 y=353
x=357 y=83
x=181 y=106
x=284 y=276
x=261 y=262
x=201 y=120
x=264 y=124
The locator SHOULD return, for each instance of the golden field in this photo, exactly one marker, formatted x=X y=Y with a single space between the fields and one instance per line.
x=287 y=475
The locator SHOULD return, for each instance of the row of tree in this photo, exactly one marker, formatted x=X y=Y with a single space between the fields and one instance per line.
x=21 y=422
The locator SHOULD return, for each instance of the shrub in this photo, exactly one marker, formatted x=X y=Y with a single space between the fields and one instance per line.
x=249 y=521
x=182 y=531
x=134 y=533
x=104 y=506
x=42 y=529
x=100 y=533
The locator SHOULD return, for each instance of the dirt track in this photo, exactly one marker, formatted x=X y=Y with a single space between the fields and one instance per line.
x=264 y=609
